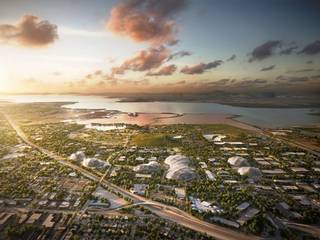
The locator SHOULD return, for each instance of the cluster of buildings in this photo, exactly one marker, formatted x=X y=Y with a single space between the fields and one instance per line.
x=46 y=225
x=140 y=189
x=105 y=127
x=242 y=166
x=80 y=157
x=16 y=152
x=245 y=213
x=252 y=160
x=294 y=174
x=204 y=206
x=149 y=167
x=65 y=196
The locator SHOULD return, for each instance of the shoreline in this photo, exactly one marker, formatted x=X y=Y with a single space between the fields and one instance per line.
x=102 y=115
x=265 y=103
x=232 y=104
x=149 y=119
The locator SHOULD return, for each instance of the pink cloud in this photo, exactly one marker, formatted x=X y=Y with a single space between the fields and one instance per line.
x=30 y=31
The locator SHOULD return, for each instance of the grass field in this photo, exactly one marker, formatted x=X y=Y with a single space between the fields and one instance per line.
x=153 y=140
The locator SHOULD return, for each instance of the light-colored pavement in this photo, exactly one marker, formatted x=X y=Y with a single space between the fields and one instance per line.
x=313 y=230
x=164 y=211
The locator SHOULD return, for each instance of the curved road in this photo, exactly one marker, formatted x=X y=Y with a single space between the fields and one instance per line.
x=164 y=211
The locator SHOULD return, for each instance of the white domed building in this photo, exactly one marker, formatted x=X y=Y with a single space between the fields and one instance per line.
x=94 y=163
x=179 y=168
x=78 y=156
x=250 y=172
x=237 y=161
x=150 y=167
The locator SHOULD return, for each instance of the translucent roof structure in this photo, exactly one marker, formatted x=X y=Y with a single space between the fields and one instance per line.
x=250 y=172
x=237 y=161
x=94 y=163
x=150 y=167
x=179 y=168
x=78 y=156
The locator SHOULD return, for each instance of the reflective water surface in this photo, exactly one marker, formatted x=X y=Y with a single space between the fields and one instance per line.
x=263 y=117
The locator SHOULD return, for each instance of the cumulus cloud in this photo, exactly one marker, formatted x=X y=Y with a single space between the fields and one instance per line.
x=268 y=68
x=146 y=20
x=264 y=51
x=99 y=76
x=144 y=60
x=178 y=55
x=30 y=31
x=312 y=48
x=164 y=71
x=201 y=67
x=233 y=57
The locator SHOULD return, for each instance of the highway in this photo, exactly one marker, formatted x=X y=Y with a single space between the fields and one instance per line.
x=164 y=211
x=299 y=145
x=313 y=230
x=284 y=140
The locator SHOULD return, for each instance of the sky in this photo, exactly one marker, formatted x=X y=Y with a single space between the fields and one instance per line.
x=100 y=46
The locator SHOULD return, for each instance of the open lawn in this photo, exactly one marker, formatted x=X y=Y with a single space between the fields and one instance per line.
x=153 y=140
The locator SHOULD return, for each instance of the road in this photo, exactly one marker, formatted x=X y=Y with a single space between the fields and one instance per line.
x=299 y=145
x=268 y=133
x=109 y=170
x=296 y=144
x=313 y=230
x=164 y=211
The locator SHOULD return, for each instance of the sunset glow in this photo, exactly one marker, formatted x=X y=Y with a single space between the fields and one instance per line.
x=127 y=46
